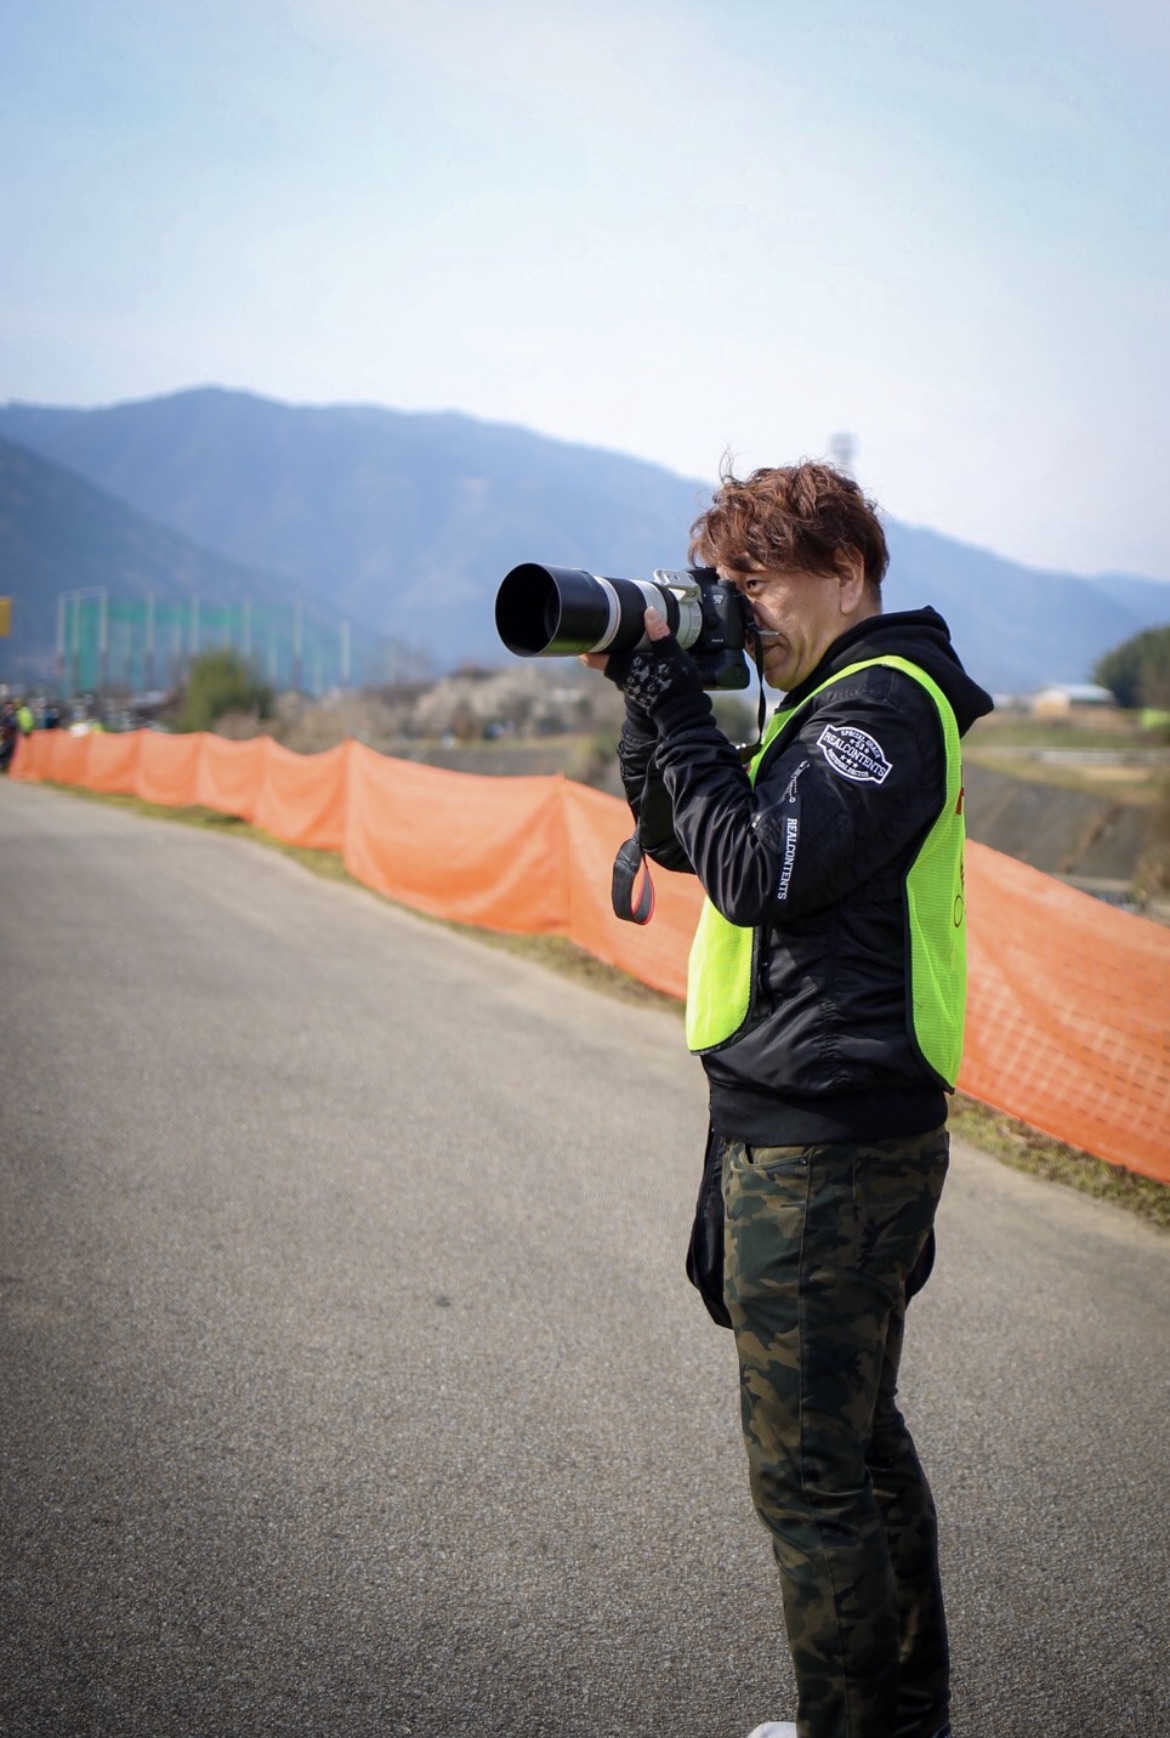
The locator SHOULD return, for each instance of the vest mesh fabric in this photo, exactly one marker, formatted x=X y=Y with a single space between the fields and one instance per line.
x=724 y=955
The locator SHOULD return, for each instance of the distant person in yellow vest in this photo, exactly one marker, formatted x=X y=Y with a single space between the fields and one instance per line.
x=825 y=999
x=25 y=719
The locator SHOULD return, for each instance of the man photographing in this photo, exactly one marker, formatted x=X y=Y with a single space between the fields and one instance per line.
x=825 y=998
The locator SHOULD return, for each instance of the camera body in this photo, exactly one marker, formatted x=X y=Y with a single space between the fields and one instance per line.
x=560 y=612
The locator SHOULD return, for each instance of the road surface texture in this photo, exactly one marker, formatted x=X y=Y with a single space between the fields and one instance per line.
x=351 y=1385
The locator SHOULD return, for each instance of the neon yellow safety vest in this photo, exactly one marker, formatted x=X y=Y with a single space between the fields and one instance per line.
x=725 y=957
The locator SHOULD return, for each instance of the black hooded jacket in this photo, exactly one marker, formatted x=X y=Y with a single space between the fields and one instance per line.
x=816 y=854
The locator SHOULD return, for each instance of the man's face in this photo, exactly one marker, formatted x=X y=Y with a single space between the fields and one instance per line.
x=801 y=614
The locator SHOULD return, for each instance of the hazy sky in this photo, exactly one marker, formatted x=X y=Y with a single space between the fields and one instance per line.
x=672 y=227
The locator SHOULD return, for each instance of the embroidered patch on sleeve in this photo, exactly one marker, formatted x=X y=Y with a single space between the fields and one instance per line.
x=854 y=754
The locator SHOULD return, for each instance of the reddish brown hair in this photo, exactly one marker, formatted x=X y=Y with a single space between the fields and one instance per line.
x=807 y=516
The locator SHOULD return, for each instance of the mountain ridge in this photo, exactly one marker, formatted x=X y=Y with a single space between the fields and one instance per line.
x=61 y=534
x=408 y=520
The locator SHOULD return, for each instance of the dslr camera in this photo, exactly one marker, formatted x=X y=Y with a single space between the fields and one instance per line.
x=560 y=612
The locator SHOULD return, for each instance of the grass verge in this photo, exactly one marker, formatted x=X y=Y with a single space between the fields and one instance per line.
x=1004 y=1137
x=1017 y=1144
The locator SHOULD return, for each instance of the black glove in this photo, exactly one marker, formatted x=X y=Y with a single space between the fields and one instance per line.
x=638 y=726
x=651 y=675
x=636 y=744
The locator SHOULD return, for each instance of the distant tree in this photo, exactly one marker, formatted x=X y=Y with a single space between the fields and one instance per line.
x=221 y=681
x=1138 y=671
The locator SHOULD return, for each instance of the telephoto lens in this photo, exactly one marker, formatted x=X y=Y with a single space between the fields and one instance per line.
x=560 y=612
x=557 y=612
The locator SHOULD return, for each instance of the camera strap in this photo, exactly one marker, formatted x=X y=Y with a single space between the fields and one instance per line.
x=748 y=751
x=631 y=904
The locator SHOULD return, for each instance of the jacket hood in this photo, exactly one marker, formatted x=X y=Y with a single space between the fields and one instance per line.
x=922 y=637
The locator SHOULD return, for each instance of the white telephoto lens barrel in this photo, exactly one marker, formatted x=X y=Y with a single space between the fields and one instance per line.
x=690 y=621
x=615 y=613
x=683 y=587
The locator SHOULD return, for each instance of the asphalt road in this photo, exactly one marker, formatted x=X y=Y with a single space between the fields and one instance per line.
x=350 y=1383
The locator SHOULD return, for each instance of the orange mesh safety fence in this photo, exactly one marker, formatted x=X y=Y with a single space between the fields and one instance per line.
x=69 y=758
x=1068 y=1018
x=302 y=797
x=168 y=769
x=229 y=775
x=458 y=846
x=655 y=954
x=110 y=762
x=1067 y=1022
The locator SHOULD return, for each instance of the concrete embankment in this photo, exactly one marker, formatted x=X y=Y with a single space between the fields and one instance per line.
x=1095 y=839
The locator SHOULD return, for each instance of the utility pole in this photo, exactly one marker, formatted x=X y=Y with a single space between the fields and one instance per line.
x=73 y=682
x=103 y=647
x=843 y=451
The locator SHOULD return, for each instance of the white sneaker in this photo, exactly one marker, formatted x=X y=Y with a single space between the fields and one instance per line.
x=774 y=1729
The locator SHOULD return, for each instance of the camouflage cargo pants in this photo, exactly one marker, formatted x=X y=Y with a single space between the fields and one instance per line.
x=819 y=1241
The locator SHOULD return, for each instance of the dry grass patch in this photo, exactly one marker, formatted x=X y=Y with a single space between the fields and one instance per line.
x=1017 y=1144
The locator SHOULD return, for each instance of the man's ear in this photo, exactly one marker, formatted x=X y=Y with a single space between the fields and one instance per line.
x=851 y=573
